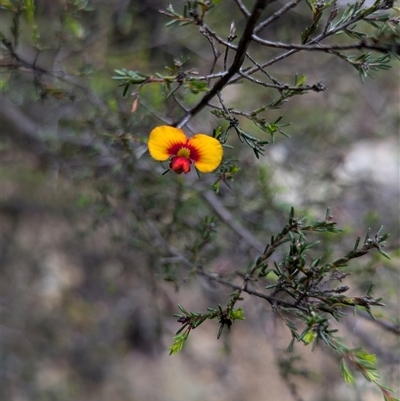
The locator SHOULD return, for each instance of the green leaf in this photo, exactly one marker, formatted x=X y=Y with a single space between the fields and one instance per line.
x=309 y=337
x=383 y=253
x=344 y=370
x=179 y=342
x=366 y=357
x=238 y=314
x=170 y=23
x=298 y=81
x=30 y=16
x=290 y=347
x=183 y=310
x=75 y=27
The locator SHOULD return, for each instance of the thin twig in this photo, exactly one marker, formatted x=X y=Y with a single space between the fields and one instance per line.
x=213 y=34
x=243 y=8
x=229 y=220
x=276 y=15
x=263 y=70
x=319 y=47
x=391 y=327
x=216 y=52
x=272 y=300
x=318 y=87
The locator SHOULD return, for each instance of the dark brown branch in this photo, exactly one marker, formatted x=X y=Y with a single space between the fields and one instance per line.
x=236 y=64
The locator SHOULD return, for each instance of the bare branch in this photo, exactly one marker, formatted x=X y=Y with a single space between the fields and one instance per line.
x=221 y=211
x=320 y=47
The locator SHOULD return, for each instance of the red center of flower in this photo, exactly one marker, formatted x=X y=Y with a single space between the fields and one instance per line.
x=180 y=164
x=193 y=152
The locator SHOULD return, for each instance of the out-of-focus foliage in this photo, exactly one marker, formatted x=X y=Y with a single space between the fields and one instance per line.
x=99 y=247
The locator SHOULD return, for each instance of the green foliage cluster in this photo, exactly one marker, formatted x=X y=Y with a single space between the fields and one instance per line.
x=301 y=290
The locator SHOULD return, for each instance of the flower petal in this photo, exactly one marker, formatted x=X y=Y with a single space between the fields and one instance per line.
x=209 y=152
x=180 y=164
x=162 y=139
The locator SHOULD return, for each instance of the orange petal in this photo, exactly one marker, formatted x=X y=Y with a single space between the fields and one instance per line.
x=209 y=152
x=162 y=139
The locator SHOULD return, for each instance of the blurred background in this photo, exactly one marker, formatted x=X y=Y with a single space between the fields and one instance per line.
x=88 y=283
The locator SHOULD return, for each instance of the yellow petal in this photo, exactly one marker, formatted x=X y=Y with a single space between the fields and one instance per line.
x=209 y=152
x=162 y=139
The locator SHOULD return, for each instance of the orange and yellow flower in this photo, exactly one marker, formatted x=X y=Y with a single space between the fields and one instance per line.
x=169 y=143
